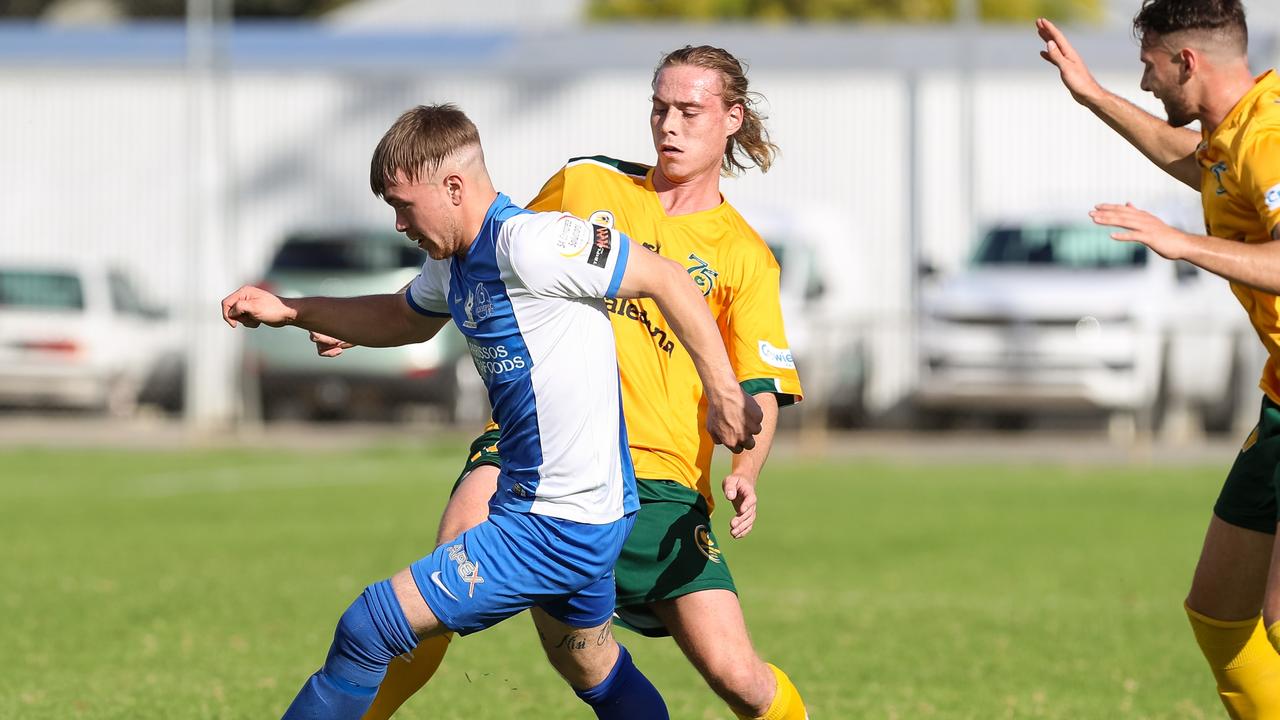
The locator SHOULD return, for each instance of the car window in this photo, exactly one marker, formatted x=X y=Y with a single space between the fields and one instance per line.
x=813 y=285
x=42 y=290
x=124 y=298
x=1068 y=246
x=353 y=253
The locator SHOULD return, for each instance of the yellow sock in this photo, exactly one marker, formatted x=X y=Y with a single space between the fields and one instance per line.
x=406 y=675
x=786 y=705
x=1243 y=662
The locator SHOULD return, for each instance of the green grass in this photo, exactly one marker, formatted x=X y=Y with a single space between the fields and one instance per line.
x=206 y=585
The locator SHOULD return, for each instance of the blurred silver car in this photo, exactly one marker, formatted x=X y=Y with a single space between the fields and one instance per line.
x=295 y=382
x=75 y=334
x=1050 y=316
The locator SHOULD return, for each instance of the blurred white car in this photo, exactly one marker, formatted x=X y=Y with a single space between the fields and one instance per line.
x=1057 y=315
x=295 y=382
x=75 y=334
x=829 y=347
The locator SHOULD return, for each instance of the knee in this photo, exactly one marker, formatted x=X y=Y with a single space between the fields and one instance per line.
x=371 y=632
x=744 y=686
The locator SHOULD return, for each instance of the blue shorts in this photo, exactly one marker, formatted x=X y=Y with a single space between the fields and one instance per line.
x=514 y=561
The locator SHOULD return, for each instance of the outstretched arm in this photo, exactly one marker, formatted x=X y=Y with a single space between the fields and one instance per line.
x=370 y=320
x=1254 y=264
x=1171 y=149
x=733 y=417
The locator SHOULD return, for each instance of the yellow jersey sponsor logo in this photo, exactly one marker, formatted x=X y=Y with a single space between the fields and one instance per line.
x=632 y=311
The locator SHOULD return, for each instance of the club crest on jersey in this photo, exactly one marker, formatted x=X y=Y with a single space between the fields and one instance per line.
x=478 y=306
x=703 y=276
x=707 y=544
x=602 y=217
x=1272 y=198
x=467 y=570
x=602 y=243
x=1217 y=170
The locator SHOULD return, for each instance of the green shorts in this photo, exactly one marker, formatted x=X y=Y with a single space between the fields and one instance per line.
x=670 y=552
x=484 y=451
x=1248 y=497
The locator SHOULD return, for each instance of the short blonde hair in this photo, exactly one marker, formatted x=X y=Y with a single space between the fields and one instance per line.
x=419 y=142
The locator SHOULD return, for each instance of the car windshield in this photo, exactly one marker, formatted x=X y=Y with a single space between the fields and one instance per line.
x=1066 y=246
x=361 y=253
x=40 y=290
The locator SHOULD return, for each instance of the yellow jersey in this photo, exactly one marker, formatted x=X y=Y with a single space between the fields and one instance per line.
x=662 y=396
x=1240 y=191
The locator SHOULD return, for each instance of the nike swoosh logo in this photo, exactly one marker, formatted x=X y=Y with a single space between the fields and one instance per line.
x=435 y=578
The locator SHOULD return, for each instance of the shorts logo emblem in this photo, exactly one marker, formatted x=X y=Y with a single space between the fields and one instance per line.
x=467 y=570
x=707 y=544
x=435 y=578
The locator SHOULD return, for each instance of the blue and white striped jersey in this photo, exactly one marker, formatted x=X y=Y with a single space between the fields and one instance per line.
x=528 y=297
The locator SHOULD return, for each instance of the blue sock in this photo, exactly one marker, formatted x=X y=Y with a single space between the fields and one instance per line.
x=626 y=694
x=370 y=634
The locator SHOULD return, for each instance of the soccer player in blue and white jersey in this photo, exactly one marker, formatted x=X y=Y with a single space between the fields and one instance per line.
x=526 y=291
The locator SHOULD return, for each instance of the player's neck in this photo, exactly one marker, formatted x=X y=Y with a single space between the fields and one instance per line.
x=476 y=213
x=695 y=195
x=1225 y=93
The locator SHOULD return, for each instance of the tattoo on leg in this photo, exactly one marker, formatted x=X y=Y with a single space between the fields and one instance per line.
x=581 y=640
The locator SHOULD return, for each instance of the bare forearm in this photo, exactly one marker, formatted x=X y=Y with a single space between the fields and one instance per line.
x=686 y=311
x=1256 y=265
x=1171 y=149
x=751 y=462
x=370 y=320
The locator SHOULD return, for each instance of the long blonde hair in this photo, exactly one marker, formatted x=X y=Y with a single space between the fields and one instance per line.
x=750 y=146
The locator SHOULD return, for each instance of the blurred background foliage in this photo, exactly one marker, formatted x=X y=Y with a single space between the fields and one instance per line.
x=925 y=11
x=915 y=11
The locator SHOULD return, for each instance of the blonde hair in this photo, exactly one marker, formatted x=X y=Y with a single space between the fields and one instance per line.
x=750 y=146
x=419 y=142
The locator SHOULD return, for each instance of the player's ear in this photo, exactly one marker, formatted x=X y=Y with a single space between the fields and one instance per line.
x=453 y=186
x=1188 y=63
x=734 y=118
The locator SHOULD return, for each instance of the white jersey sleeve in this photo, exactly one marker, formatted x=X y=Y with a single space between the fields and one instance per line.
x=559 y=255
x=428 y=294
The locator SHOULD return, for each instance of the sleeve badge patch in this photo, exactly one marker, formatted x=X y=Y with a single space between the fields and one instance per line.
x=1272 y=198
x=574 y=237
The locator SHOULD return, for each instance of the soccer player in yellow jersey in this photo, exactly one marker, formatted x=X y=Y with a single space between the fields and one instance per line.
x=1194 y=55
x=672 y=576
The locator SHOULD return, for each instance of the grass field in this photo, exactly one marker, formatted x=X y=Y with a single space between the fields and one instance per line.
x=207 y=584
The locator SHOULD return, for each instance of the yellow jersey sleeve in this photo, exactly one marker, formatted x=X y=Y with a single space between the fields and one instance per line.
x=551 y=197
x=1260 y=176
x=755 y=336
